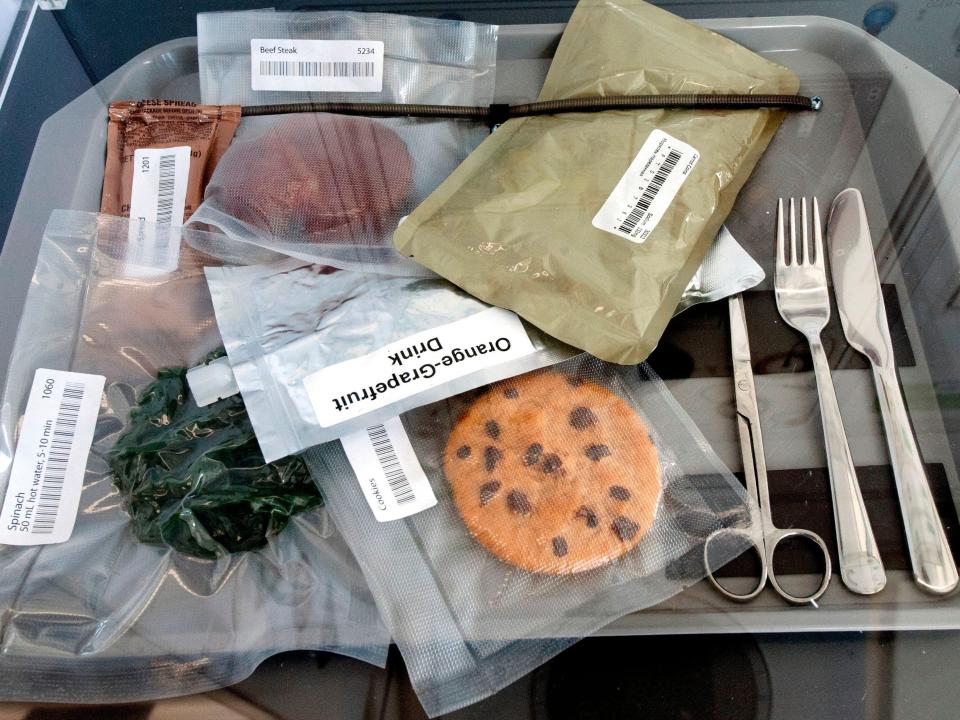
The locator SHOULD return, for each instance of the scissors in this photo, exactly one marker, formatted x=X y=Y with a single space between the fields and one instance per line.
x=755 y=470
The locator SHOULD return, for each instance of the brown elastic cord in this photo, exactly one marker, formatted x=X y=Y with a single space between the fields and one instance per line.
x=460 y=112
x=495 y=114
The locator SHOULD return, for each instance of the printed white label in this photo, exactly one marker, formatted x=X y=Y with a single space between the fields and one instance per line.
x=158 y=197
x=390 y=475
x=647 y=188
x=416 y=363
x=317 y=65
x=47 y=472
x=159 y=192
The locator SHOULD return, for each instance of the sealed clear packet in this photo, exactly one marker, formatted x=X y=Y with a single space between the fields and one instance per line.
x=318 y=354
x=565 y=498
x=96 y=605
x=331 y=188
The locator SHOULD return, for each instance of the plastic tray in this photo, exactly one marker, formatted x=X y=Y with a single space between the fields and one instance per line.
x=888 y=127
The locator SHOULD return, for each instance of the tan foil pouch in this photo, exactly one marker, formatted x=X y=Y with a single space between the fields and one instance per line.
x=138 y=125
x=513 y=224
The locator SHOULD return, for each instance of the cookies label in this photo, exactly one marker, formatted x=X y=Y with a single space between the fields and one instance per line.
x=647 y=188
x=317 y=65
x=390 y=475
x=416 y=363
x=46 y=478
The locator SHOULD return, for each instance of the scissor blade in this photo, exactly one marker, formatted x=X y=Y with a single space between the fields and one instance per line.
x=747 y=454
x=748 y=413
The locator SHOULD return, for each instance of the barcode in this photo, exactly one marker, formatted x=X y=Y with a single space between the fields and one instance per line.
x=303 y=68
x=168 y=167
x=650 y=193
x=390 y=464
x=58 y=457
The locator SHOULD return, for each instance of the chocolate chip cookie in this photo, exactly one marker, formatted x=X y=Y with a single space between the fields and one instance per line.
x=553 y=474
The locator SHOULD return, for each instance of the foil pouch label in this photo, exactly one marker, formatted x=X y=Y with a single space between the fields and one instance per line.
x=647 y=188
x=158 y=197
x=391 y=478
x=316 y=65
x=416 y=363
x=46 y=477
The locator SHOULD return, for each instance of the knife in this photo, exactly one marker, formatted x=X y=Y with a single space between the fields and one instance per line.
x=864 y=319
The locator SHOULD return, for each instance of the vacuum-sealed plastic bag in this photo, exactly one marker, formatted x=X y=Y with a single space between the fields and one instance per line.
x=591 y=225
x=328 y=188
x=194 y=478
x=563 y=498
x=319 y=354
x=89 y=613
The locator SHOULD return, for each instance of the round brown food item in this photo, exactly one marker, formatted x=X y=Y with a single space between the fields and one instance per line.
x=553 y=474
x=317 y=177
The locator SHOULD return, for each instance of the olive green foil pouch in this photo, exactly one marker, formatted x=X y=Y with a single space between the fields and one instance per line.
x=514 y=225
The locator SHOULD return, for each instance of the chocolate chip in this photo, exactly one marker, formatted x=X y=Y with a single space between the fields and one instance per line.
x=519 y=503
x=581 y=418
x=559 y=546
x=587 y=514
x=551 y=463
x=595 y=452
x=511 y=393
x=463 y=452
x=491 y=456
x=619 y=492
x=624 y=528
x=531 y=455
x=493 y=430
x=488 y=491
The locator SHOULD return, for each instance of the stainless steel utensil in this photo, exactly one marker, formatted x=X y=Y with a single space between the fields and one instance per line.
x=803 y=301
x=864 y=318
x=768 y=539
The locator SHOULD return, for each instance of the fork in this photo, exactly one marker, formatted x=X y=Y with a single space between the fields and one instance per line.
x=804 y=303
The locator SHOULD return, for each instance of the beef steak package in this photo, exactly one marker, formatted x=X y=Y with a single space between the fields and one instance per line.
x=326 y=188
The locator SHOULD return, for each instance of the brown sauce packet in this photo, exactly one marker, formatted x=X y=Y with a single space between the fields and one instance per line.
x=167 y=179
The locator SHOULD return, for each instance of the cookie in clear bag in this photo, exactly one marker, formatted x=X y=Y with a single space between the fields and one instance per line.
x=553 y=474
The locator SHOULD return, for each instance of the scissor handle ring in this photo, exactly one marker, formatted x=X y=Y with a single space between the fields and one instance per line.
x=773 y=542
x=751 y=537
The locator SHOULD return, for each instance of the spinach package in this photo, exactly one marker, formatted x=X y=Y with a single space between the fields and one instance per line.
x=194 y=478
x=102 y=447
x=591 y=225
